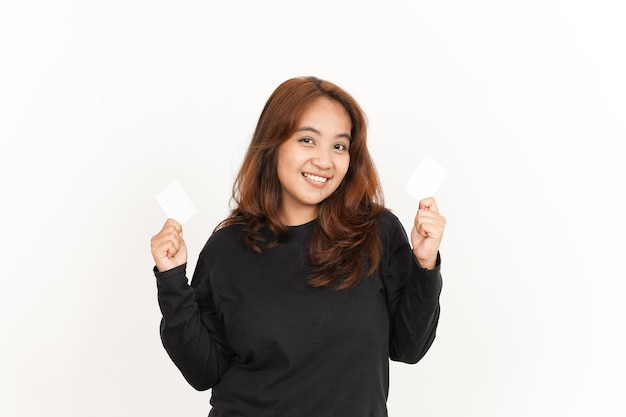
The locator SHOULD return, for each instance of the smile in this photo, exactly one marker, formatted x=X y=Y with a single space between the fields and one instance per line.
x=315 y=178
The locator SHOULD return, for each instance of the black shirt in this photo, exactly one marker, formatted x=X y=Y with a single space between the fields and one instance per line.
x=250 y=327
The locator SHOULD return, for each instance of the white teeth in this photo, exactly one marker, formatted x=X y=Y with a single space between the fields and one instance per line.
x=315 y=178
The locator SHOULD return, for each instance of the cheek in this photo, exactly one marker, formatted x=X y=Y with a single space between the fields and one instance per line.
x=344 y=165
x=282 y=162
x=282 y=174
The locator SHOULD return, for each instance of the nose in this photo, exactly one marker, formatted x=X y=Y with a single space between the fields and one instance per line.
x=322 y=159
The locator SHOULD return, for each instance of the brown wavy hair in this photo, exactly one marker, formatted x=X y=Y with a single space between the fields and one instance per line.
x=345 y=244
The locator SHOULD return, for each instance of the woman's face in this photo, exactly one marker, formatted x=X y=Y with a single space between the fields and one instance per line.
x=313 y=161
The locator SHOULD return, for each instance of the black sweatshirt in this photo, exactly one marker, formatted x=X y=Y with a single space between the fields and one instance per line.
x=250 y=327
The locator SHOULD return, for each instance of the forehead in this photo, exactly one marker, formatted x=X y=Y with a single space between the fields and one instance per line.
x=325 y=112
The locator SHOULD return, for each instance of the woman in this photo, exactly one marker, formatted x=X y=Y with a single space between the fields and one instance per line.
x=305 y=291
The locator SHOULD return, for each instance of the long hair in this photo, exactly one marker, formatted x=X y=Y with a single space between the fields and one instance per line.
x=345 y=244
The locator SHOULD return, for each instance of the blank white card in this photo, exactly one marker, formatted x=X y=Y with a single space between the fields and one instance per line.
x=426 y=179
x=175 y=203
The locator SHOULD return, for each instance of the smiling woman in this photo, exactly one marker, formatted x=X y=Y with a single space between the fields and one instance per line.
x=305 y=291
x=314 y=160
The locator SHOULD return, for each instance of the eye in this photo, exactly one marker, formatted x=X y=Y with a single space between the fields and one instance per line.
x=307 y=141
x=340 y=147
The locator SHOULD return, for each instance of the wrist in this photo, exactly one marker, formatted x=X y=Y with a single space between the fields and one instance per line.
x=426 y=263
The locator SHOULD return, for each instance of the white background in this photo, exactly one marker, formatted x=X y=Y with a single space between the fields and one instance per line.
x=103 y=104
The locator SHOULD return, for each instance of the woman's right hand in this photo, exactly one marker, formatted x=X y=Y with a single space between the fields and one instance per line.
x=168 y=247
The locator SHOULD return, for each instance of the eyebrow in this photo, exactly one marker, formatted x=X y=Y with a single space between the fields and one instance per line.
x=312 y=129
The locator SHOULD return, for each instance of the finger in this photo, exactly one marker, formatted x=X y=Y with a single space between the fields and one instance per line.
x=430 y=226
x=166 y=243
x=165 y=249
x=167 y=233
x=172 y=226
x=429 y=204
x=431 y=230
x=169 y=223
x=427 y=215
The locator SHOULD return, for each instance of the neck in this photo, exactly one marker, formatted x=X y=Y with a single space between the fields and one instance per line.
x=297 y=218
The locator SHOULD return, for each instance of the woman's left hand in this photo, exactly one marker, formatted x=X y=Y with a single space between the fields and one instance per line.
x=427 y=233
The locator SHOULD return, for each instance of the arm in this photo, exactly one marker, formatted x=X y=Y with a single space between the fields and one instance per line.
x=413 y=290
x=191 y=333
x=414 y=308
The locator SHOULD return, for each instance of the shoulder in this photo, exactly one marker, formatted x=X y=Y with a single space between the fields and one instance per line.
x=389 y=223
x=224 y=240
x=392 y=235
x=387 y=216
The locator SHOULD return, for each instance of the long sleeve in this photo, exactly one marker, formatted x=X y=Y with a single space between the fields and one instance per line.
x=412 y=296
x=191 y=332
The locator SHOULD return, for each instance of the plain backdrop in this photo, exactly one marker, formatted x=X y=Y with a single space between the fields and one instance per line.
x=104 y=104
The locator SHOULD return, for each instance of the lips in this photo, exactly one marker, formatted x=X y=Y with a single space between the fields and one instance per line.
x=315 y=178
